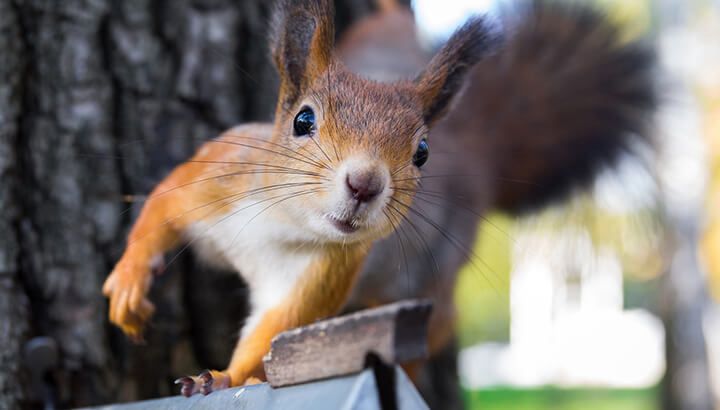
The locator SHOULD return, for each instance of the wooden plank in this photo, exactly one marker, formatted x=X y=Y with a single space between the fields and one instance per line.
x=395 y=333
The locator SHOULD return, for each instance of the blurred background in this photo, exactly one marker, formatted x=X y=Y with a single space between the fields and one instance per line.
x=609 y=301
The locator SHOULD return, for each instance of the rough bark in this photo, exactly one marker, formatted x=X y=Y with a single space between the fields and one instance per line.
x=13 y=302
x=98 y=100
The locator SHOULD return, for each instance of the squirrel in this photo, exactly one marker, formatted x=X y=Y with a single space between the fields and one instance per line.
x=295 y=205
x=563 y=96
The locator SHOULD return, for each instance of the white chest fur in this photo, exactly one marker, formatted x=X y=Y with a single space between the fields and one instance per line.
x=258 y=247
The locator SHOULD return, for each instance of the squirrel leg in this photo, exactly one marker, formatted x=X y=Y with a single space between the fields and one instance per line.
x=320 y=292
x=157 y=230
x=246 y=363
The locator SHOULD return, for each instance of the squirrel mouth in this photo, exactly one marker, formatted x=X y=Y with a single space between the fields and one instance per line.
x=344 y=225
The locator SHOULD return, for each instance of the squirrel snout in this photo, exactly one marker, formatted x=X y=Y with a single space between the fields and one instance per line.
x=364 y=185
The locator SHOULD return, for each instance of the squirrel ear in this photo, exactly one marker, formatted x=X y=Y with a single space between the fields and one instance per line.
x=301 y=43
x=444 y=75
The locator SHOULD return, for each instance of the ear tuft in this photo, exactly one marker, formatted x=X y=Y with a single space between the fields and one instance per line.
x=444 y=75
x=301 y=42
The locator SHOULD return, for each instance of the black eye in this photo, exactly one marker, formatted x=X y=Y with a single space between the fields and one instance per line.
x=304 y=122
x=422 y=153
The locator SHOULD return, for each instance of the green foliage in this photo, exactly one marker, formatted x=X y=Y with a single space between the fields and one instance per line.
x=482 y=293
x=562 y=399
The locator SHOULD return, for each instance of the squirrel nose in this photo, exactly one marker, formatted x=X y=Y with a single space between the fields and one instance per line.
x=364 y=185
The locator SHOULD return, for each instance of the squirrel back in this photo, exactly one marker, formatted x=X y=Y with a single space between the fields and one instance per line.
x=384 y=45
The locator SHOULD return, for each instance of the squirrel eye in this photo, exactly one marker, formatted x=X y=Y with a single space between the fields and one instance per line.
x=422 y=153
x=304 y=122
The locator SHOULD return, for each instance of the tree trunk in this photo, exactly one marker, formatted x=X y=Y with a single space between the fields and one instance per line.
x=98 y=100
x=13 y=301
x=686 y=384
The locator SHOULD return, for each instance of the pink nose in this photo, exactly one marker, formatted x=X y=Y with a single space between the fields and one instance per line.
x=364 y=185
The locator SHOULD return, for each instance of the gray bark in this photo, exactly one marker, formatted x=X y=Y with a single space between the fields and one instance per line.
x=686 y=384
x=13 y=302
x=98 y=100
x=684 y=298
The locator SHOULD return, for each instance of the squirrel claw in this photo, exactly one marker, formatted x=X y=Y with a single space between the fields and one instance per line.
x=206 y=383
x=188 y=386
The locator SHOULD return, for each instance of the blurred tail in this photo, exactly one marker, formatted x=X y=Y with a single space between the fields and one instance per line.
x=562 y=97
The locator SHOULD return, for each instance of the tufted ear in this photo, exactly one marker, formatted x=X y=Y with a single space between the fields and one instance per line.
x=444 y=75
x=301 y=44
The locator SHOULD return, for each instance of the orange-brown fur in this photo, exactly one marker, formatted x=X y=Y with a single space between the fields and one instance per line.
x=325 y=288
x=361 y=128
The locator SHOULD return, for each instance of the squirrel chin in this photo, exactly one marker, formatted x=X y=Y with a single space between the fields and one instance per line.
x=332 y=229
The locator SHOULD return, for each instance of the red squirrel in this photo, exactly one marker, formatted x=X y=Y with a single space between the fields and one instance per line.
x=562 y=96
x=295 y=205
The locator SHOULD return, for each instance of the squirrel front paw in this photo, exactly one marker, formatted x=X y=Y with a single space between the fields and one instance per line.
x=127 y=288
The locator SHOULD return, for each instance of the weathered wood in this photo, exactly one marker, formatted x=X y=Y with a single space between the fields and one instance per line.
x=395 y=333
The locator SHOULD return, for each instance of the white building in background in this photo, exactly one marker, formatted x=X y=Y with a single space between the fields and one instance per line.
x=568 y=326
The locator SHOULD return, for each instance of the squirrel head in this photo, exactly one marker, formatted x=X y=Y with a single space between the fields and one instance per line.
x=364 y=141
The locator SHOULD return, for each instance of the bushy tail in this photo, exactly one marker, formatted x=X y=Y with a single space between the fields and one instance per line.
x=562 y=97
